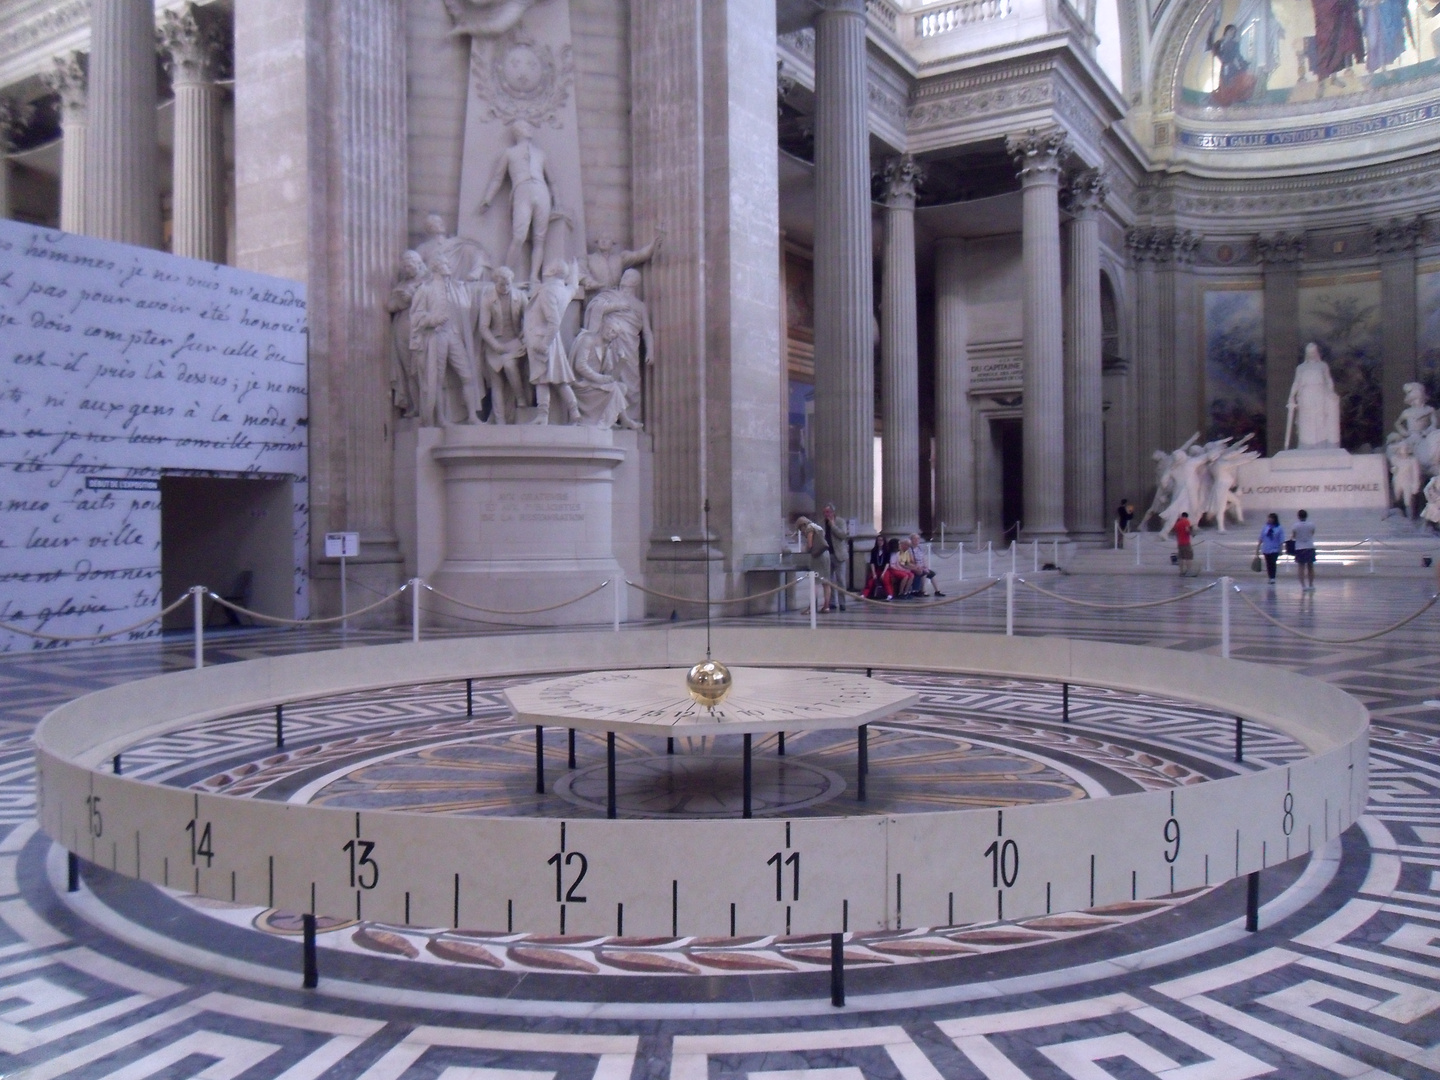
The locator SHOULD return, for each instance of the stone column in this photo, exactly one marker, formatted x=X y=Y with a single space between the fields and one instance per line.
x=1038 y=155
x=195 y=54
x=900 y=353
x=954 y=441
x=123 y=195
x=1395 y=242
x=844 y=272
x=1084 y=399
x=13 y=116
x=1186 y=367
x=705 y=164
x=68 y=79
x=1280 y=255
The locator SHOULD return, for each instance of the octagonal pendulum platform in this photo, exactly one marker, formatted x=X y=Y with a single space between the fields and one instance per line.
x=672 y=702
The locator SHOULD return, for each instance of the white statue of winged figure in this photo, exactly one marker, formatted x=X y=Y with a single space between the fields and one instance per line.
x=486 y=18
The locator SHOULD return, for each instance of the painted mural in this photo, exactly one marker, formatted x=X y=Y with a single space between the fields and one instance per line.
x=1342 y=316
x=1235 y=363
x=1428 y=298
x=1248 y=55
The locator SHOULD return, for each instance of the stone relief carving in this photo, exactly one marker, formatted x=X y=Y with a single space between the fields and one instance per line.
x=405 y=369
x=550 y=367
x=604 y=266
x=500 y=322
x=1280 y=248
x=441 y=337
x=486 y=18
x=999 y=99
x=521 y=79
x=1397 y=235
x=1161 y=245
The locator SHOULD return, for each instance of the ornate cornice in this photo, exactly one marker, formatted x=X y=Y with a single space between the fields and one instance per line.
x=1038 y=153
x=991 y=100
x=1161 y=247
x=1086 y=192
x=1280 y=249
x=1397 y=236
x=901 y=177
x=51 y=22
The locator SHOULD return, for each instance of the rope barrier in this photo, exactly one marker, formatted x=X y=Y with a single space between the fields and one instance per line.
x=523 y=611
x=1118 y=607
x=732 y=600
x=96 y=637
x=1339 y=641
x=928 y=604
x=305 y=622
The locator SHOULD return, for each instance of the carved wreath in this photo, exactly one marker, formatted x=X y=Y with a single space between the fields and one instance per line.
x=520 y=79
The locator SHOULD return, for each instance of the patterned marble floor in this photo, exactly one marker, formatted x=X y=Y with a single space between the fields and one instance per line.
x=119 y=980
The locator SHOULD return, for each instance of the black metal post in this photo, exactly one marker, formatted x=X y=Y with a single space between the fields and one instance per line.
x=539 y=760
x=864 y=763
x=837 y=970
x=469 y=697
x=1239 y=739
x=572 y=748
x=279 y=727
x=72 y=872
x=746 y=810
x=669 y=746
x=610 y=774
x=1252 y=901
x=312 y=969
x=782 y=745
x=1065 y=703
x=115 y=765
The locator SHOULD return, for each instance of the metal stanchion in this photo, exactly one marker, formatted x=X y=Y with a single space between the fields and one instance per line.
x=814 y=587
x=989 y=559
x=72 y=872
x=619 y=586
x=1139 y=541
x=1252 y=902
x=1012 y=556
x=1010 y=604
x=1371 y=545
x=837 y=970
x=1208 y=546
x=1225 y=585
x=197 y=596
x=960 y=551
x=311 y=977
x=1035 y=555
x=415 y=609
x=279 y=727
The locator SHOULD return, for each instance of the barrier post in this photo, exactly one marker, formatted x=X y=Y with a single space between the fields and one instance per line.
x=942 y=535
x=618 y=584
x=1115 y=530
x=814 y=586
x=1370 y=543
x=1012 y=556
x=311 y=977
x=1208 y=545
x=344 y=598
x=960 y=551
x=1139 y=539
x=1055 y=552
x=280 y=727
x=1035 y=555
x=1225 y=585
x=72 y=872
x=989 y=559
x=837 y=970
x=1010 y=604
x=1252 y=902
x=197 y=595
x=415 y=610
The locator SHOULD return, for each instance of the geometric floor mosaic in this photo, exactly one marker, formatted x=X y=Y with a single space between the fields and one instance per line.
x=1342 y=980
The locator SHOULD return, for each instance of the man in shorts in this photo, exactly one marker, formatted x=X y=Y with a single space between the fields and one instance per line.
x=1186 y=553
x=1304 y=536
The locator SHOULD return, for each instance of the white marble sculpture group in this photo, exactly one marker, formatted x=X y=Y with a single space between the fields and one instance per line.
x=1413 y=450
x=1199 y=480
x=461 y=320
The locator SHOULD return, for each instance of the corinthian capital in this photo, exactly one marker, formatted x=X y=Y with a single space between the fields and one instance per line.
x=1281 y=249
x=194 y=44
x=1087 y=191
x=14 y=115
x=1038 y=153
x=902 y=176
x=68 y=79
x=1397 y=235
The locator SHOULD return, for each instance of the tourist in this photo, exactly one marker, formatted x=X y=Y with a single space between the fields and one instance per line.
x=923 y=570
x=875 y=583
x=1304 y=537
x=897 y=578
x=837 y=539
x=1272 y=542
x=812 y=543
x=1124 y=514
x=1185 y=553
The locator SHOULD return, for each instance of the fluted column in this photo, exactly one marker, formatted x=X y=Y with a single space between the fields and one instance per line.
x=195 y=52
x=844 y=283
x=900 y=353
x=1038 y=155
x=954 y=441
x=123 y=196
x=1395 y=242
x=13 y=115
x=1084 y=398
x=68 y=79
x=1281 y=255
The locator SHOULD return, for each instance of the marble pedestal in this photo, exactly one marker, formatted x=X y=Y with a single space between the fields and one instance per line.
x=511 y=518
x=1314 y=480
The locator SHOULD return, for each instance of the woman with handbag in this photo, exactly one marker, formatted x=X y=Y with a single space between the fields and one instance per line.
x=1272 y=540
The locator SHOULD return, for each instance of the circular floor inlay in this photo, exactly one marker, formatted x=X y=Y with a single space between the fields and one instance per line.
x=664 y=785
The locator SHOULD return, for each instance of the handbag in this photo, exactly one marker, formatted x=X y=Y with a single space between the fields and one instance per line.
x=1256 y=565
x=1290 y=547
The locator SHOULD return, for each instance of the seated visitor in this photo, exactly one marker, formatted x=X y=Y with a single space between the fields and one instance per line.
x=923 y=570
x=897 y=578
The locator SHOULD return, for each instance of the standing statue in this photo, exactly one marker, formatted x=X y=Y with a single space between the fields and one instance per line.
x=1224 y=481
x=1405 y=474
x=530 y=200
x=1165 y=476
x=598 y=388
x=405 y=371
x=440 y=317
x=549 y=366
x=605 y=265
x=467 y=258
x=635 y=340
x=1418 y=417
x=501 y=326
x=1313 y=408
x=1431 y=513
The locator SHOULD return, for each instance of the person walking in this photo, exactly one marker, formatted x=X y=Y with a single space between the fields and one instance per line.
x=1304 y=536
x=1183 y=548
x=837 y=539
x=1271 y=543
x=1124 y=514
